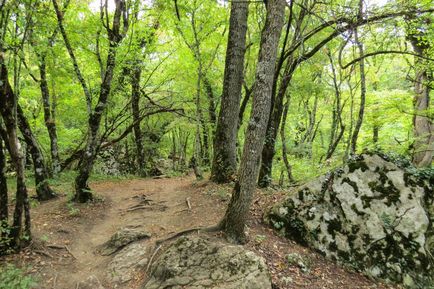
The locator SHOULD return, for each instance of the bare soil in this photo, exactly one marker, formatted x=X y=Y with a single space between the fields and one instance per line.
x=66 y=236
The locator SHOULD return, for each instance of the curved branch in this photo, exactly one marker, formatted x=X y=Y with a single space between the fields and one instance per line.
x=383 y=52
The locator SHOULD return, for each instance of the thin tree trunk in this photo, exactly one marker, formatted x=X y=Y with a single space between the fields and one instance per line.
x=135 y=99
x=247 y=95
x=49 y=117
x=235 y=218
x=224 y=164
x=43 y=190
x=3 y=190
x=359 y=121
x=283 y=138
x=337 y=123
x=211 y=102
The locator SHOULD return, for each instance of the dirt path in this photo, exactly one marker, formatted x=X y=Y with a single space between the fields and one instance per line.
x=160 y=207
x=157 y=205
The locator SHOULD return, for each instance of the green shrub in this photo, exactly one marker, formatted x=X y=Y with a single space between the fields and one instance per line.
x=12 y=277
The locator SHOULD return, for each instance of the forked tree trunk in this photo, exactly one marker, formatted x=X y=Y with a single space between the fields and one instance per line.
x=224 y=163
x=235 y=218
x=115 y=36
x=43 y=190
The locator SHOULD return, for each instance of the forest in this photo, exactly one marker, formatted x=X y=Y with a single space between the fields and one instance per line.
x=245 y=112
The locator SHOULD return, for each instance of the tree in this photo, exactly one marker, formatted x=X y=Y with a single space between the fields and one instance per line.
x=43 y=190
x=115 y=35
x=19 y=236
x=224 y=164
x=360 y=47
x=235 y=218
x=423 y=128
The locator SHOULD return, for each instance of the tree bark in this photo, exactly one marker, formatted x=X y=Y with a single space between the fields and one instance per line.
x=49 y=116
x=423 y=128
x=283 y=138
x=20 y=236
x=3 y=189
x=43 y=190
x=235 y=218
x=224 y=164
x=359 y=121
x=269 y=151
x=135 y=99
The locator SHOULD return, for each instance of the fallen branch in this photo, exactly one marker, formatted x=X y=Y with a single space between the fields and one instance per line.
x=60 y=247
x=40 y=252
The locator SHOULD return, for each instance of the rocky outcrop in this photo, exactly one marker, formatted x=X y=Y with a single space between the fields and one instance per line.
x=121 y=238
x=196 y=263
x=126 y=264
x=372 y=215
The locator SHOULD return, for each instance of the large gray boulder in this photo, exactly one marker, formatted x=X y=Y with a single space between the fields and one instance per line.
x=372 y=215
x=197 y=263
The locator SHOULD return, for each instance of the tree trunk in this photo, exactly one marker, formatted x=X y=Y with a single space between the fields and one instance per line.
x=49 y=117
x=423 y=128
x=268 y=151
x=359 y=121
x=115 y=36
x=224 y=164
x=82 y=190
x=284 y=148
x=235 y=217
x=135 y=99
x=3 y=191
x=20 y=236
x=43 y=190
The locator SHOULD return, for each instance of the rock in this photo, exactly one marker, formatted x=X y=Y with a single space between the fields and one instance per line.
x=90 y=283
x=295 y=259
x=196 y=263
x=287 y=280
x=126 y=263
x=121 y=238
x=371 y=215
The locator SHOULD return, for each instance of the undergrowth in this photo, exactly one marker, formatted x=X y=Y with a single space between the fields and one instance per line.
x=12 y=277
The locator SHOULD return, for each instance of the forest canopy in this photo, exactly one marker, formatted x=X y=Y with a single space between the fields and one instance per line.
x=161 y=86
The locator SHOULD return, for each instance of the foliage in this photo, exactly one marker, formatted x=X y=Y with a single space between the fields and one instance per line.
x=12 y=277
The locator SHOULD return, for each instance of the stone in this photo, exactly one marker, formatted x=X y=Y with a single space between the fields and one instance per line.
x=127 y=263
x=372 y=215
x=121 y=238
x=295 y=259
x=90 y=283
x=195 y=263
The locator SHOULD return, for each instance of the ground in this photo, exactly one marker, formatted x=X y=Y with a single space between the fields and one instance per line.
x=67 y=236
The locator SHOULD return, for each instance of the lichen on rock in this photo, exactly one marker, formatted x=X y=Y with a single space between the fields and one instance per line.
x=372 y=215
x=197 y=263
